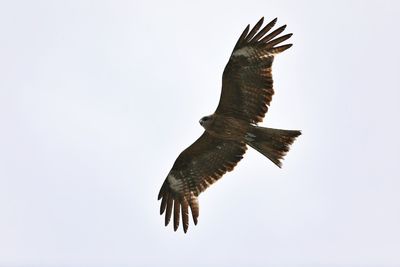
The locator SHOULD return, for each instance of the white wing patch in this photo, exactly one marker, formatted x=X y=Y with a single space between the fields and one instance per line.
x=248 y=51
x=245 y=52
x=249 y=137
x=175 y=184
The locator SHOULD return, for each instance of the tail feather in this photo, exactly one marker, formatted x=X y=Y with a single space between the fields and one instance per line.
x=272 y=143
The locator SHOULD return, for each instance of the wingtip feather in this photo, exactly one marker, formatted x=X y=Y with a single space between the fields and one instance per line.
x=163 y=204
x=280 y=49
x=185 y=215
x=278 y=40
x=176 y=214
x=194 y=207
x=264 y=30
x=242 y=36
x=273 y=34
x=255 y=29
x=169 y=210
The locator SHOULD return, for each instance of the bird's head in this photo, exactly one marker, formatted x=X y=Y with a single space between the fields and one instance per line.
x=206 y=121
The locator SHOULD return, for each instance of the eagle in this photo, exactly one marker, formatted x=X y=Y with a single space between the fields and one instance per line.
x=247 y=90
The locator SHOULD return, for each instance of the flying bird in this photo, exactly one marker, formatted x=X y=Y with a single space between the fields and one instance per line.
x=247 y=90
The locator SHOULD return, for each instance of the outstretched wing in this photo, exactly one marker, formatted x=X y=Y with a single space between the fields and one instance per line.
x=247 y=79
x=196 y=168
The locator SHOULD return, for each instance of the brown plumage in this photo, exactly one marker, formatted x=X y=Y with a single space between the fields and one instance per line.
x=245 y=97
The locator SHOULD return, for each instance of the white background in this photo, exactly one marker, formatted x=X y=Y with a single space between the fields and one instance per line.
x=98 y=98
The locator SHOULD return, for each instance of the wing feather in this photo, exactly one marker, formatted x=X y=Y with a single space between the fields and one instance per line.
x=185 y=214
x=254 y=30
x=169 y=210
x=194 y=208
x=264 y=30
x=278 y=40
x=280 y=49
x=177 y=208
x=273 y=34
x=243 y=35
x=196 y=168
x=247 y=85
x=163 y=204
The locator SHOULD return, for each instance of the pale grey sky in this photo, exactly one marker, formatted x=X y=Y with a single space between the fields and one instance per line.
x=98 y=98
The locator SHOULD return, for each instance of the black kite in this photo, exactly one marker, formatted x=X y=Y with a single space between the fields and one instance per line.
x=246 y=94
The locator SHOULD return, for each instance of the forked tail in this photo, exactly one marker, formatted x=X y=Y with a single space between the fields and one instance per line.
x=272 y=143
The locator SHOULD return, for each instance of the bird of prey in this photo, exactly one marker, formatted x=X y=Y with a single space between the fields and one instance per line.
x=247 y=90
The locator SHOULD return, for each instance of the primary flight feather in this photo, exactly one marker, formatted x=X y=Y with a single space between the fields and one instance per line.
x=246 y=94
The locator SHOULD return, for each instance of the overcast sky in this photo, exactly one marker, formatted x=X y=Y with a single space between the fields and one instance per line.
x=98 y=98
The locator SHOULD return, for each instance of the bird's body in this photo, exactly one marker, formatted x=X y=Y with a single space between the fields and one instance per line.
x=246 y=94
x=226 y=127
